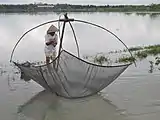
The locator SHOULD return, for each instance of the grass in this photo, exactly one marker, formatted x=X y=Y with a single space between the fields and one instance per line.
x=153 y=51
x=101 y=59
x=143 y=52
x=151 y=66
x=152 y=46
x=150 y=50
x=125 y=59
x=154 y=63
x=135 y=49
x=141 y=55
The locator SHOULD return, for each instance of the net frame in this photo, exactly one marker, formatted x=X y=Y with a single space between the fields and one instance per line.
x=57 y=59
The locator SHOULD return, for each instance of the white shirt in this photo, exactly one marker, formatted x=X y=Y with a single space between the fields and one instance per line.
x=50 y=48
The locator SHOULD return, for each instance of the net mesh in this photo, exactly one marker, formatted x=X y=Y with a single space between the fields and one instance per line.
x=73 y=78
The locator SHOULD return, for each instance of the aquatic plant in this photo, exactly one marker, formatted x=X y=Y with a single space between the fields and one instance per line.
x=135 y=48
x=151 y=66
x=126 y=59
x=151 y=46
x=153 y=51
x=101 y=59
x=116 y=51
x=141 y=54
x=157 y=60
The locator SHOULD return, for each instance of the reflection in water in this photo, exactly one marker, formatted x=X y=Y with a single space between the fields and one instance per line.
x=46 y=106
x=152 y=15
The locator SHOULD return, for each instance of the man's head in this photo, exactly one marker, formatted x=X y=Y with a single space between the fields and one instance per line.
x=52 y=29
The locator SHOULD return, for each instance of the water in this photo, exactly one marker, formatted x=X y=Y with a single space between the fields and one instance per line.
x=133 y=96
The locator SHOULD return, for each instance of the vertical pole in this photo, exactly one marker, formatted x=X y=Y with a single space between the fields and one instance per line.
x=61 y=41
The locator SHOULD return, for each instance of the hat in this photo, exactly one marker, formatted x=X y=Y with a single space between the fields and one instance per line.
x=52 y=28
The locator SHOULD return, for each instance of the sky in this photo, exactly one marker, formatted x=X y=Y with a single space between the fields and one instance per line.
x=94 y=2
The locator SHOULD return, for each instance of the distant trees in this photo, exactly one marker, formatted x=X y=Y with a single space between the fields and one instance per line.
x=44 y=7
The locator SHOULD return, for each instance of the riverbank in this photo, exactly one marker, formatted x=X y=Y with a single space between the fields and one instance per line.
x=77 y=8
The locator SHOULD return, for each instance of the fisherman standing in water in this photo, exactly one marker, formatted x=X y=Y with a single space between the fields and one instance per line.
x=51 y=39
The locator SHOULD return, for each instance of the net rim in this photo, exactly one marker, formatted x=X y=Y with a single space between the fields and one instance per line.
x=90 y=63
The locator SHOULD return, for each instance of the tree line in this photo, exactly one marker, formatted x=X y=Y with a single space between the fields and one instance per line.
x=77 y=8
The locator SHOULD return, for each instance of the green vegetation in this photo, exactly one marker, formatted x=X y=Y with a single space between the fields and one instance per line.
x=101 y=59
x=126 y=59
x=152 y=46
x=151 y=66
x=44 y=7
x=142 y=52
x=149 y=50
x=135 y=48
x=154 y=64
x=153 y=51
x=141 y=55
x=157 y=61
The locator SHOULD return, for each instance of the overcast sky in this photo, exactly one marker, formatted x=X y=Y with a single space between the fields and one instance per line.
x=98 y=2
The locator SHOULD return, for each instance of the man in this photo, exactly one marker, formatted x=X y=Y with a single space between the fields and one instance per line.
x=51 y=39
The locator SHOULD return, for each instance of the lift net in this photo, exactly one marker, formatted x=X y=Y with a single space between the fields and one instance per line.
x=73 y=77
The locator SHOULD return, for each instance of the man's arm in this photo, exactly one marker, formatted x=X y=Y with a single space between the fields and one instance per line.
x=49 y=43
x=55 y=40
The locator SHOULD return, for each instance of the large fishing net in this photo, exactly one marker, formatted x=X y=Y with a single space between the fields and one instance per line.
x=74 y=77
x=69 y=76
